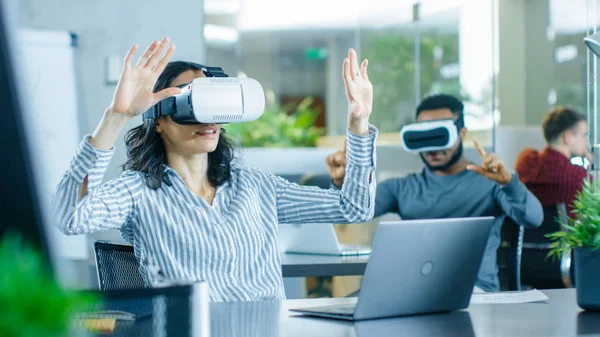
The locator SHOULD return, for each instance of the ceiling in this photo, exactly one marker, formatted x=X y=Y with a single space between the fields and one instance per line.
x=291 y=26
x=567 y=16
x=313 y=37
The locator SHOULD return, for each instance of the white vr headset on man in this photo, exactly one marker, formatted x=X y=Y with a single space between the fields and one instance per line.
x=215 y=98
x=429 y=136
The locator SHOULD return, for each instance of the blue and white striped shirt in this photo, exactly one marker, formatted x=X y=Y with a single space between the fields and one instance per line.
x=232 y=244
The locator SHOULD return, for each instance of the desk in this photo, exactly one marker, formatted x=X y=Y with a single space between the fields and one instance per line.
x=304 y=265
x=559 y=317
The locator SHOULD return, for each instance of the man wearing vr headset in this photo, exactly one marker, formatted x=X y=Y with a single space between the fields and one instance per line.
x=450 y=186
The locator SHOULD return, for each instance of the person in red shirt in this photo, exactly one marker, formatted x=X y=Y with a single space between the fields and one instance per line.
x=549 y=174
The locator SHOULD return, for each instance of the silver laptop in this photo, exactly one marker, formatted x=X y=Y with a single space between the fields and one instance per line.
x=314 y=238
x=417 y=267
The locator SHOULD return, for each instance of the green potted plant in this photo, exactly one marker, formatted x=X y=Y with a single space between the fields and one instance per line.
x=581 y=233
x=280 y=126
x=32 y=303
x=283 y=140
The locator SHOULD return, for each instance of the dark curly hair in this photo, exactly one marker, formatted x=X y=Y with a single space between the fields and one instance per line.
x=146 y=150
x=442 y=101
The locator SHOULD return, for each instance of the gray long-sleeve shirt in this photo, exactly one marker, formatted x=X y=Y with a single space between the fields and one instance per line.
x=427 y=195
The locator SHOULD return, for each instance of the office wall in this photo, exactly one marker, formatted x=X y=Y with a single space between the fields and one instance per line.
x=108 y=28
x=542 y=58
x=105 y=29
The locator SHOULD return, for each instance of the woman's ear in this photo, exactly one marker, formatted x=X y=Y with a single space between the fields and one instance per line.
x=157 y=126
x=463 y=133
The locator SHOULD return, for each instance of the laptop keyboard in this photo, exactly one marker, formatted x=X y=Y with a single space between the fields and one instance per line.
x=354 y=249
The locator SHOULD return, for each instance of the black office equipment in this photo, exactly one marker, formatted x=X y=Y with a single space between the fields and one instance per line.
x=20 y=211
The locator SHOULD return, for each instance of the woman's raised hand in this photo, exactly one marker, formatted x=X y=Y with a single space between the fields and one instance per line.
x=133 y=95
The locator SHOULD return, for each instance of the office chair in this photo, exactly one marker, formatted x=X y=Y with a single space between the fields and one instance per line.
x=537 y=270
x=117 y=267
x=509 y=255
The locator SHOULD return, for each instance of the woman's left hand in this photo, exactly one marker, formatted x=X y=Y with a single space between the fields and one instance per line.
x=359 y=92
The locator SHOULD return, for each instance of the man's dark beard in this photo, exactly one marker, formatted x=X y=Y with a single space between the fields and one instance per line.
x=455 y=158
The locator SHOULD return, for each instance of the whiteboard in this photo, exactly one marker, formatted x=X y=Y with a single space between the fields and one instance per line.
x=46 y=68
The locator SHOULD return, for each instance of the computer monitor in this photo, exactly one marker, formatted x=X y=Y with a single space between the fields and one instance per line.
x=20 y=210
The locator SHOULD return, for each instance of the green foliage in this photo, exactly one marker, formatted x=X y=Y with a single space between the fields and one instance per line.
x=392 y=72
x=280 y=126
x=32 y=303
x=583 y=229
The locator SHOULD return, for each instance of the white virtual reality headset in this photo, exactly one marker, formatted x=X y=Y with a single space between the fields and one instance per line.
x=429 y=136
x=215 y=98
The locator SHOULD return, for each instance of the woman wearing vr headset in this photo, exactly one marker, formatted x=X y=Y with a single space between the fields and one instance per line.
x=189 y=211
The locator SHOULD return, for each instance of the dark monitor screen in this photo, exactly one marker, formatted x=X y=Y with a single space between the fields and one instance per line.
x=20 y=209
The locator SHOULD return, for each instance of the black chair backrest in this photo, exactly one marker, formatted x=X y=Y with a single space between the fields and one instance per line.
x=117 y=267
x=509 y=255
x=549 y=225
x=538 y=270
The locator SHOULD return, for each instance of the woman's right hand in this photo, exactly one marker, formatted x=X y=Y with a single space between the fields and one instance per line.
x=134 y=94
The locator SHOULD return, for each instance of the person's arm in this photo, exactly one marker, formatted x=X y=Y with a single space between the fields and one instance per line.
x=386 y=198
x=512 y=195
x=519 y=204
x=353 y=203
x=107 y=206
x=79 y=203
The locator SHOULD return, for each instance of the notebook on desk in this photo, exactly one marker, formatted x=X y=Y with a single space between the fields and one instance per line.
x=315 y=238
x=417 y=267
x=106 y=314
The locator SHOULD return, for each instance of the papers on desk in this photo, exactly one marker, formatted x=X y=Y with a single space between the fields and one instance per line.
x=509 y=297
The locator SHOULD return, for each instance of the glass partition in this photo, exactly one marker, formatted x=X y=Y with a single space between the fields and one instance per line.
x=591 y=74
x=414 y=48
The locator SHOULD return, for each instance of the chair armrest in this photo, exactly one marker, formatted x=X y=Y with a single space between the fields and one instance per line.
x=565 y=269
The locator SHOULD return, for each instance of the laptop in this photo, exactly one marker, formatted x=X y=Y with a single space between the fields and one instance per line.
x=315 y=238
x=417 y=267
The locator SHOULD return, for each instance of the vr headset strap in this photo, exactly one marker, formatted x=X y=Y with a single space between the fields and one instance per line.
x=214 y=72
x=162 y=108
x=168 y=106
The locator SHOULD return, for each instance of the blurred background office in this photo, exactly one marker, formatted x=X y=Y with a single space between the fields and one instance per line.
x=509 y=60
